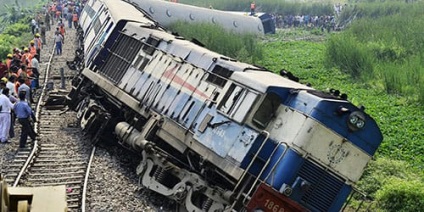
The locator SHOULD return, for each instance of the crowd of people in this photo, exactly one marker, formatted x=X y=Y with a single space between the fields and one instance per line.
x=19 y=78
x=324 y=22
x=19 y=73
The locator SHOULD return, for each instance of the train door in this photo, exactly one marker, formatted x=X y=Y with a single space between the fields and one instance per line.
x=165 y=76
x=137 y=83
x=101 y=32
x=226 y=126
x=99 y=21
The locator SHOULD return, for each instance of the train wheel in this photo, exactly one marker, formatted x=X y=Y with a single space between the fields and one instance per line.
x=82 y=108
x=89 y=118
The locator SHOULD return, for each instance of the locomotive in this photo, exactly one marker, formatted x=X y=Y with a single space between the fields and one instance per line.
x=215 y=134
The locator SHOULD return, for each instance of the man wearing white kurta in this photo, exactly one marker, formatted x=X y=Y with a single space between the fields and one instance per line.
x=5 y=119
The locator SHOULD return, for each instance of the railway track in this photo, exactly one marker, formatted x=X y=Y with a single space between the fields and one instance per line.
x=61 y=155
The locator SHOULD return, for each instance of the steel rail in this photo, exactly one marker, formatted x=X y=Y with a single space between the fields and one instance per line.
x=87 y=173
x=37 y=116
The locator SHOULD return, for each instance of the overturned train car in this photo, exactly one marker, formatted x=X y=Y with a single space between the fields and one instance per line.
x=166 y=13
x=216 y=134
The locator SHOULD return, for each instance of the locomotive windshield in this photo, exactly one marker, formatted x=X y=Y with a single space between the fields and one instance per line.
x=266 y=111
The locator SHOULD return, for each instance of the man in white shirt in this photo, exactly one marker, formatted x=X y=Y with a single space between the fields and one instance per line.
x=33 y=26
x=5 y=108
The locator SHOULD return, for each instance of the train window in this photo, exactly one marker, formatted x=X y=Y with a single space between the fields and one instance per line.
x=143 y=65
x=230 y=99
x=138 y=61
x=219 y=76
x=243 y=106
x=141 y=62
x=266 y=110
x=150 y=45
x=90 y=12
x=97 y=26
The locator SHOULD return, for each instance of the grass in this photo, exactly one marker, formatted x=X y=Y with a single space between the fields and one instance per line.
x=399 y=118
x=242 y=47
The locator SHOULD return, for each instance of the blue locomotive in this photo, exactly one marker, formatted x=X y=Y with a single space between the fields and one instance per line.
x=216 y=134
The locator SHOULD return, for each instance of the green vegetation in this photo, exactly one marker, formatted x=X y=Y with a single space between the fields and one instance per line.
x=395 y=187
x=385 y=47
x=400 y=159
x=12 y=12
x=387 y=43
x=214 y=37
x=15 y=35
x=15 y=30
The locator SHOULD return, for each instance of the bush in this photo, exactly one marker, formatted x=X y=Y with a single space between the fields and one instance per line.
x=15 y=35
x=349 y=56
x=243 y=47
x=400 y=195
x=379 y=170
x=387 y=182
x=17 y=29
x=6 y=42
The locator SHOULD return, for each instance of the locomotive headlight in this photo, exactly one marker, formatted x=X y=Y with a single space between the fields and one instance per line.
x=360 y=124
x=356 y=120
x=353 y=119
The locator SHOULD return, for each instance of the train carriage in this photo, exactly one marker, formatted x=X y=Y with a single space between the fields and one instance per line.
x=217 y=134
x=166 y=13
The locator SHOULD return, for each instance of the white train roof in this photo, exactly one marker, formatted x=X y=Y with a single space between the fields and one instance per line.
x=121 y=10
x=262 y=80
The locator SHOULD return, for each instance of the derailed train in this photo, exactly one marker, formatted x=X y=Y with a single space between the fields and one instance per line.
x=215 y=134
x=166 y=13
